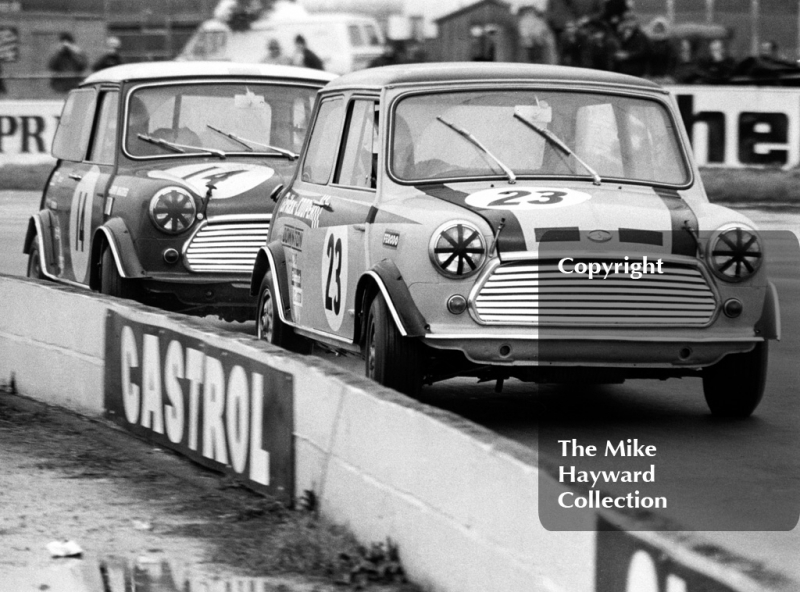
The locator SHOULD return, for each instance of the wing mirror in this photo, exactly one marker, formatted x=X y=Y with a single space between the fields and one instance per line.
x=276 y=193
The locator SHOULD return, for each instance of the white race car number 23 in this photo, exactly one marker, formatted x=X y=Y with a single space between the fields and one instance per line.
x=334 y=275
x=526 y=198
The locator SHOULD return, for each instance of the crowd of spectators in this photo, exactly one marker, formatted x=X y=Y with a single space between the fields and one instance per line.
x=613 y=39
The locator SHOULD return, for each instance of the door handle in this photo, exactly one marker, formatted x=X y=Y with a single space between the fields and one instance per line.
x=359 y=227
x=75 y=176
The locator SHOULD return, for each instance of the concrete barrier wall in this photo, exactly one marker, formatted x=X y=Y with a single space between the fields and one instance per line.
x=460 y=502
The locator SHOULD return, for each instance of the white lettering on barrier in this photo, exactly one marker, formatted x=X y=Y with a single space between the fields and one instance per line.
x=174 y=370
x=130 y=359
x=741 y=126
x=233 y=411
x=152 y=405
x=213 y=406
x=26 y=131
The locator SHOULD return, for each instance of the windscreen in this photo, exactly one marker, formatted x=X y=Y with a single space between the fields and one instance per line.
x=232 y=117
x=543 y=133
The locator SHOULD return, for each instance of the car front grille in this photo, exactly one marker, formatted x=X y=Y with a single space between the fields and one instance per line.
x=226 y=248
x=537 y=293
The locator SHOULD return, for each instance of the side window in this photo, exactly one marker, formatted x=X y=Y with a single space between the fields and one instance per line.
x=104 y=141
x=357 y=164
x=356 y=38
x=321 y=153
x=75 y=125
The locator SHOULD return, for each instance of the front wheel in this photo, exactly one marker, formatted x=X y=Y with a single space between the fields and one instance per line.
x=34 y=261
x=269 y=326
x=391 y=359
x=111 y=282
x=734 y=386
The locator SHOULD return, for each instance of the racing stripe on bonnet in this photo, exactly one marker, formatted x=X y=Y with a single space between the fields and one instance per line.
x=511 y=239
x=683 y=220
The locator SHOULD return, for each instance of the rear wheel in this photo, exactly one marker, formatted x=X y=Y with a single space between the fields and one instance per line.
x=34 y=261
x=269 y=326
x=111 y=282
x=734 y=386
x=391 y=359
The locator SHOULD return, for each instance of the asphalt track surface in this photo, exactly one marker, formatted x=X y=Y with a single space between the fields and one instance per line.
x=737 y=482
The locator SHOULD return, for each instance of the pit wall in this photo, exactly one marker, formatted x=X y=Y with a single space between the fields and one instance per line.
x=460 y=502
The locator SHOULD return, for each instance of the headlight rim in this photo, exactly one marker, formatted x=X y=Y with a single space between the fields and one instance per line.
x=155 y=200
x=711 y=245
x=435 y=239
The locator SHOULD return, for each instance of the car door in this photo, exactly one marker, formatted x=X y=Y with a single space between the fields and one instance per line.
x=337 y=179
x=67 y=196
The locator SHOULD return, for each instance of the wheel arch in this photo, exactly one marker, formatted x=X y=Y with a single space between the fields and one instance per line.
x=271 y=258
x=385 y=278
x=39 y=226
x=769 y=325
x=115 y=234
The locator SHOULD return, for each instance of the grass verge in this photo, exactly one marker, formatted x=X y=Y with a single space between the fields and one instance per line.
x=751 y=185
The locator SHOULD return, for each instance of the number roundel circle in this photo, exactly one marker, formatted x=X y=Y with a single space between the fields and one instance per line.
x=526 y=198
x=334 y=275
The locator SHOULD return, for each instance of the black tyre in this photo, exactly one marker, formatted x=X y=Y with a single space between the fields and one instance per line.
x=111 y=282
x=735 y=385
x=269 y=326
x=34 y=261
x=391 y=359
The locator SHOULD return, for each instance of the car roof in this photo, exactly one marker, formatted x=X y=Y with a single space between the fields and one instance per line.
x=176 y=70
x=470 y=72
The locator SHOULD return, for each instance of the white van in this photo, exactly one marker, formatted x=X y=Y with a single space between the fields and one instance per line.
x=344 y=42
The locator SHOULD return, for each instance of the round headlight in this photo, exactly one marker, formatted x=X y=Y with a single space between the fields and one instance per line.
x=173 y=210
x=457 y=249
x=734 y=253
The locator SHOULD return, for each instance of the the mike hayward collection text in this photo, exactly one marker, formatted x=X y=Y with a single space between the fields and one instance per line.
x=597 y=499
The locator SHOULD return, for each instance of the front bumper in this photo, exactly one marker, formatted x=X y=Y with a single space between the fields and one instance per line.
x=227 y=296
x=686 y=353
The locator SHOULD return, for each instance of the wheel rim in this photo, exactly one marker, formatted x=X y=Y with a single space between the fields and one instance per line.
x=266 y=324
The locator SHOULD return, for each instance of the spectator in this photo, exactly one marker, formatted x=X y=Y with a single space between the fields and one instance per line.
x=633 y=54
x=717 y=67
x=275 y=55
x=2 y=82
x=537 y=41
x=571 y=44
x=600 y=47
x=304 y=56
x=662 y=51
x=111 y=57
x=67 y=64
x=685 y=71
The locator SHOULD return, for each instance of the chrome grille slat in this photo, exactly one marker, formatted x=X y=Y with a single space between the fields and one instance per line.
x=537 y=293
x=226 y=247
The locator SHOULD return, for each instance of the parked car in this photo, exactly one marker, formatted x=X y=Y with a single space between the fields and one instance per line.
x=161 y=188
x=344 y=42
x=506 y=220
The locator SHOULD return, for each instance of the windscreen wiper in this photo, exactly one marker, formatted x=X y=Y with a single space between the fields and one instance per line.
x=182 y=148
x=159 y=142
x=512 y=178
x=248 y=144
x=559 y=143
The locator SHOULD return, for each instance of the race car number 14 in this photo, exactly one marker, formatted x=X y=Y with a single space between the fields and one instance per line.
x=526 y=198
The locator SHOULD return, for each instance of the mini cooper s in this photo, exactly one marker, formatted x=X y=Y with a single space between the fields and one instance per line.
x=161 y=187
x=505 y=220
